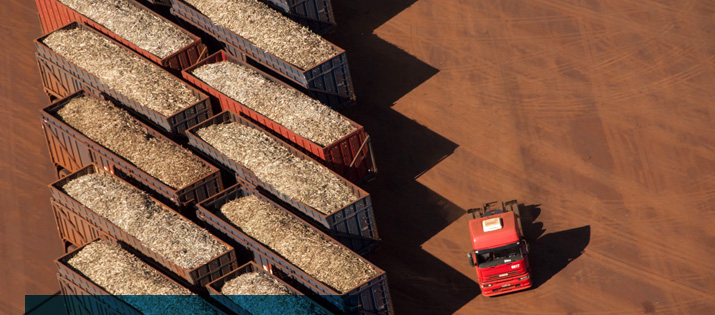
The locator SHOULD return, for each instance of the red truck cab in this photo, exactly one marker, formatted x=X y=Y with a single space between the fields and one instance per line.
x=500 y=253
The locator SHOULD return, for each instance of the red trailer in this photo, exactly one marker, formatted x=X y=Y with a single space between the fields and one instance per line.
x=350 y=156
x=55 y=67
x=329 y=81
x=54 y=15
x=71 y=150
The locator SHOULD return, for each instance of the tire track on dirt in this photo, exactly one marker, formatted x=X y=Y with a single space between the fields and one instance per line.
x=632 y=141
x=620 y=266
x=507 y=75
x=678 y=78
x=519 y=113
x=676 y=133
x=608 y=222
x=502 y=18
x=599 y=63
x=632 y=190
x=546 y=151
x=556 y=109
x=603 y=63
x=610 y=225
x=538 y=54
x=621 y=22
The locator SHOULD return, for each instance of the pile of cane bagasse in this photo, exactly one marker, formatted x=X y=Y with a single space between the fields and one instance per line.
x=268 y=30
x=120 y=69
x=137 y=25
x=326 y=260
x=171 y=236
x=294 y=110
x=118 y=131
x=299 y=179
x=261 y=294
x=254 y=283
x=122 y=274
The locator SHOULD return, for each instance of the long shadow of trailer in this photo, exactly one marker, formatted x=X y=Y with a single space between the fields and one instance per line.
x=44 y=304
x=407 y=213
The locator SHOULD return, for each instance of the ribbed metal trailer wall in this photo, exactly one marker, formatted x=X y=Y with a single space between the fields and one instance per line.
x=214 y=288
x=330 y=80
x=371 y=297
x=315 y=14
x=349 y=156
x=80 y=302
x=58 y=83
x=353 y=225
x=54 y=15
x=173 y=125
x=72 y=150
x=73 y=228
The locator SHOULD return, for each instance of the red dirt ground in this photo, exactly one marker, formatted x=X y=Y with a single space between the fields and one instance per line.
x=599 y=112
x=28 y=236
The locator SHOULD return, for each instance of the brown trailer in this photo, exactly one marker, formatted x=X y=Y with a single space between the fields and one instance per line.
x=72 y=150
x=194 y=278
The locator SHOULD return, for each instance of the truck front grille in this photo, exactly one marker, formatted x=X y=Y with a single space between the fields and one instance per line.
x=502 y=276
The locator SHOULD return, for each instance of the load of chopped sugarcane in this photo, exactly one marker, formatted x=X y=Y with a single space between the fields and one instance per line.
x=137 y=25
x=165 y=233
x=292 y=109
x=300 y=179
x=325 y=259
x=121 y=133
x=122 y=70
x=124 y=275
x=268 y=30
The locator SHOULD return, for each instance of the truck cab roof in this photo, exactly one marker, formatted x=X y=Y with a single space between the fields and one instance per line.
x=507 y=234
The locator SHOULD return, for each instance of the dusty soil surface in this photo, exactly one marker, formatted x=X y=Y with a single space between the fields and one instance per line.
x=596 y=115
x=28 y=236
x=601 y=112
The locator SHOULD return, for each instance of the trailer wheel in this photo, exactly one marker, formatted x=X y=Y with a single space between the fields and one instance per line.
x=61 y=172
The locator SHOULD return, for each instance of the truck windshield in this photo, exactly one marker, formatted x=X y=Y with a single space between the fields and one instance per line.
x=500 y=255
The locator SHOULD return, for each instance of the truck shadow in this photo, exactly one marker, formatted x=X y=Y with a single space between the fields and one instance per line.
x=551 y=252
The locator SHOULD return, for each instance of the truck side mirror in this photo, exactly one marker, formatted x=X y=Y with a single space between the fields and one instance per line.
x=471 y=259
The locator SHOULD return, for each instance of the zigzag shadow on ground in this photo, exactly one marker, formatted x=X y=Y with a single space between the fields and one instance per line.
x=407 y=213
